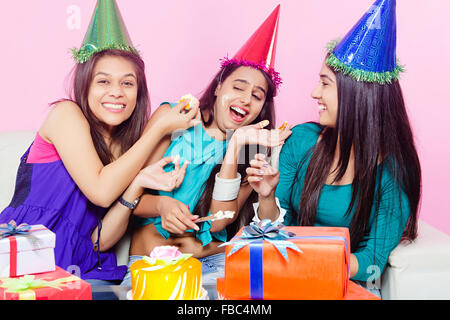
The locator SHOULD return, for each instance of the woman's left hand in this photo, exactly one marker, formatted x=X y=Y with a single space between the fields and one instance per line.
x=256 y=134
x=154 y=177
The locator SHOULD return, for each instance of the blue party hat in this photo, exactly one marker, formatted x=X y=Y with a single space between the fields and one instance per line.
x=368 y=52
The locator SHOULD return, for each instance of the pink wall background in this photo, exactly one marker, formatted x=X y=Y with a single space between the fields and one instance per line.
x=182 y=41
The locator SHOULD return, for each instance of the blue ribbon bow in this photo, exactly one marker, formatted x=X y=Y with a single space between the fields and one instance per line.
x=12 y=229
x=254 y=236
x=264 y=230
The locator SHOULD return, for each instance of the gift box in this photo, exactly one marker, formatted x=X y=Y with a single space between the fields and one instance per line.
x=26 y=249
x=54 y=285
x=270 y=261
x=354 y=292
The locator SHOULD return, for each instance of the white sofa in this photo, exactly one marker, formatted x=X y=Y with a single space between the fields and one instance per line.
x=420 y=270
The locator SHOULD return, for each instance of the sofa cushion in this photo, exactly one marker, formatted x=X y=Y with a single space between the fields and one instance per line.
x=13 y=145
x=421 y=269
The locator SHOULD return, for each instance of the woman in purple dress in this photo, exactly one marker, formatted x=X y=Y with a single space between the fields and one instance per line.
x=89 y=153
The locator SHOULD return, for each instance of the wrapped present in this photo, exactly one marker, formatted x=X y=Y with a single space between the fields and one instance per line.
x=354 y=292
x=270 y=261
x=26 y=249
x=54 y=285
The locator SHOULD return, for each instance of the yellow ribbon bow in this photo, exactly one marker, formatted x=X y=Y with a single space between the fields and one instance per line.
x=25 y=285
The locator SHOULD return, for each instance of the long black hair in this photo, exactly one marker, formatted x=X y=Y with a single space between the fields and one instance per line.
x=372 y=119
x=207 y=102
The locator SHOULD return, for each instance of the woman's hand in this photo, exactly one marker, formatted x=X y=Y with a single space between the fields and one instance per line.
x=177 y=118
x=262 y=177
x=175 y=216
x=154 y=177
x=256 y=134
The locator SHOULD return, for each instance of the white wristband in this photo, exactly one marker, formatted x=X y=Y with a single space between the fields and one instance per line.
x=226 y=189
x=280 y=217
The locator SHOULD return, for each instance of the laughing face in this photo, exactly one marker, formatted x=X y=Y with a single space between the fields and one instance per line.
x=113 y=90
x=326 y=94
x=240 y=98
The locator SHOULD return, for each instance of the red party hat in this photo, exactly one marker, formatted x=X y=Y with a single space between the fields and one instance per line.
x=259 y=51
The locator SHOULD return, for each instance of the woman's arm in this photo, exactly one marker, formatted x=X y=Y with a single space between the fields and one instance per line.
x=175 y=216
x=271 y=183
x=235 y=205
x=149 y=204
x=68 y=130
x=252 y=134
x=115 y=222
x=353 y=265
x=383 y=234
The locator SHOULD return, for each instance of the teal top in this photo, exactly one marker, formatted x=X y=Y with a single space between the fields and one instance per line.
x=383 y=232
x=203 y=153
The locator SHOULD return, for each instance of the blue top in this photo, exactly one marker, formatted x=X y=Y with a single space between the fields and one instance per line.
x=384 y=232
x=203 y=153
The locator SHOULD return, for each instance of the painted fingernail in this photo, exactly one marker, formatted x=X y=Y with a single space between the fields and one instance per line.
x=261 y=171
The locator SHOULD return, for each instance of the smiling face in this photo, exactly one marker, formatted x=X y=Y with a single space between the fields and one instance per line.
x=113 y=90
x=326 y=94
x=240 y=98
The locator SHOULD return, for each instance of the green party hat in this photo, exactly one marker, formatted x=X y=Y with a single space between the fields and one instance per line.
x=106 y=31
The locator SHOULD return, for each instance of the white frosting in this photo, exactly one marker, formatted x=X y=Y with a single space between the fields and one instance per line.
x=219 y=215
x=225 y=99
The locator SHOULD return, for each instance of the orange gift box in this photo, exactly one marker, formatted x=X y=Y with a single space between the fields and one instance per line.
x=319 y=271
x=354 y=292
x=54 y=285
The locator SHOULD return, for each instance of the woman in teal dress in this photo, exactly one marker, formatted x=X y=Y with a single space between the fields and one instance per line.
x=358 y=167
x=165 y=218
x=237 y=113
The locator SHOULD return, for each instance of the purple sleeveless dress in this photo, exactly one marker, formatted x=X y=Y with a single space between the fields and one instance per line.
x=46 y=194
